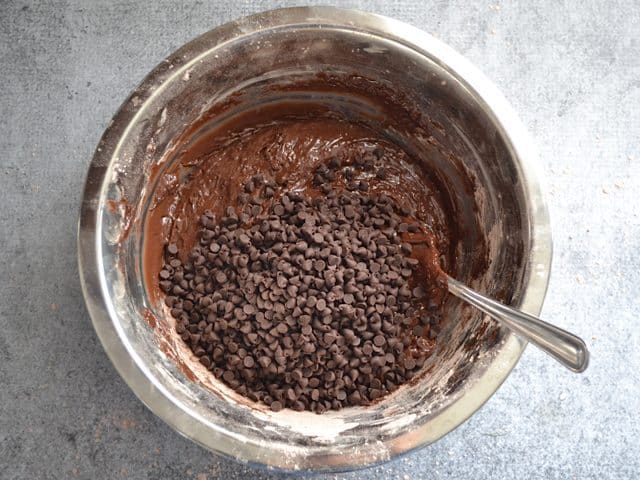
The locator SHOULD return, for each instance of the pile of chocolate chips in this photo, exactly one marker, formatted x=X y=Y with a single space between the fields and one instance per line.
x=304 y=302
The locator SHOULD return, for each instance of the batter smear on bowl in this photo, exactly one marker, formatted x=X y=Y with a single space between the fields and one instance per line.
x=286 y=265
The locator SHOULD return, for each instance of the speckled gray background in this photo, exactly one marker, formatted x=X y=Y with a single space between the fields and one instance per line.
x=571 y=72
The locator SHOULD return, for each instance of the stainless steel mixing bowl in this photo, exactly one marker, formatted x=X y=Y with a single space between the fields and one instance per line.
x=468 y=125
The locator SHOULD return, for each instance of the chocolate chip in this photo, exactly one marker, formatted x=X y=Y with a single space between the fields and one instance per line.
x=221 y=277
x=321 y=305
x=409 y=363
x=265 y=361
x=379 y=340
x=248 y=361
x=249 y=309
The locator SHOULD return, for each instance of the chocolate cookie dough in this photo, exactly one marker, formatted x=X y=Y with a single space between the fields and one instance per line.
x=276 y=244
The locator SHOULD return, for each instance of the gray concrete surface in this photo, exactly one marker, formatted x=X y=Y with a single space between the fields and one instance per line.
x=571 y=70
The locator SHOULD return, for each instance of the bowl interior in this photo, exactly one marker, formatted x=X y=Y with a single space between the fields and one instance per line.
x=436 y=115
